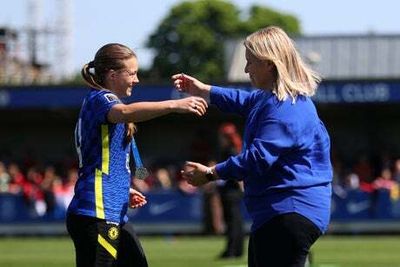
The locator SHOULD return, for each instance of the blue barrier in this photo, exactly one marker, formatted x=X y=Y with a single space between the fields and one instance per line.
x=13 y=208
x=175 y=207
x=354 y=205
x=169 y=207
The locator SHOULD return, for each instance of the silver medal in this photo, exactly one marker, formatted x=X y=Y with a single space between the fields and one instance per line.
x=141 y=173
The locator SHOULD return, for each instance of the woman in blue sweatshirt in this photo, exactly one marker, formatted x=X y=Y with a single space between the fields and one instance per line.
x=285 y=164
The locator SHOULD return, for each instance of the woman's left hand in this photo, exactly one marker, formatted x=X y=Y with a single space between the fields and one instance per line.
x=195 y=173
x=136 y=199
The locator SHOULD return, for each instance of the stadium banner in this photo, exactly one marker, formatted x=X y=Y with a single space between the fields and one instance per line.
x=174 y=212
x=174 y=206
x=358 y=92
x=330 y=92
x=169 y=206
x=166 y=206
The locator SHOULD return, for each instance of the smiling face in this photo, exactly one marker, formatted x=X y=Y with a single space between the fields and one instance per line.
x=261 y=72
x=122 y=81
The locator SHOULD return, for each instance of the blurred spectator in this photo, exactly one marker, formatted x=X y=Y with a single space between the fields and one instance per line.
x=173 y=170
x=141 y=185
x=231 y=193
x=200 y=149
x=338 y=177
x=212 y=208
x=50 y=178
x=47 y=192
x=4 y=178
x=386 y=191
x=158 y=179
x=396 y=170
x=363 y=169
x=18 y=180
x=383 y=160
x=352 y=182
x=32 y=191
x=163 y=178
x=64 y=190
x=384 y=181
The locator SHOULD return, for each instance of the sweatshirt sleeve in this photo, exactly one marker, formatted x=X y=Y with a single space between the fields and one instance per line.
x=272 y=139
x=231 y=100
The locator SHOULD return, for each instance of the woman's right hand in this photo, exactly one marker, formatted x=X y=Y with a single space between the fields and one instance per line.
x=188 y=84
x=192 y=104
x=136 y=199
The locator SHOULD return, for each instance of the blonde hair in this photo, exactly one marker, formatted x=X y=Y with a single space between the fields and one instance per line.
x=109 y=56
x=293 y=76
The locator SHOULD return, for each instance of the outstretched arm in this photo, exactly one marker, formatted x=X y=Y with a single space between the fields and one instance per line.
x=143 y=111
x=227 y=100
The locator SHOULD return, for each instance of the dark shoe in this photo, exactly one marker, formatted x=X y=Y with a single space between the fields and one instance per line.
x=227 y=255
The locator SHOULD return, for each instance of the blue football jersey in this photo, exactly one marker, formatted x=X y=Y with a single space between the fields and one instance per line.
x=102 y=190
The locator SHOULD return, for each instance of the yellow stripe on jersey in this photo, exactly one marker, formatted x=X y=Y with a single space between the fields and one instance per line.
x=98 y=192
x=104 y=243
x=105 y=152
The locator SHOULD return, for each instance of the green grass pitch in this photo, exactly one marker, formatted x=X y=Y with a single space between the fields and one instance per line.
x=170 y=251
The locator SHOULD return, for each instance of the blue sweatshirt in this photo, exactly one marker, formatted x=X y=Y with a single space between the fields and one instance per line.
x=285 y=164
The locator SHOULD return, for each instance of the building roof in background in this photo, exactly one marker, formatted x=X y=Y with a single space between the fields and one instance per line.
x=335 y=57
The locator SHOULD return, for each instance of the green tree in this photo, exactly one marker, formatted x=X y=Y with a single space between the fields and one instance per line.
x=260 y=17
x=191 y=37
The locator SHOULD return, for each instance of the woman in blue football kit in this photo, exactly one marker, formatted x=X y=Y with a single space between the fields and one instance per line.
x=285 y=162
x=96 y=217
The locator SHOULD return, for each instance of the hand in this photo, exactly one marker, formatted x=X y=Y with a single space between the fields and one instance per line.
x=192 y=104
x=194 y=173
x=187 y=84
x=136 y=199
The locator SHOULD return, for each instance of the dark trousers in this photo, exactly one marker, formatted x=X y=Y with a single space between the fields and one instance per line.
x=101 y=244
x=231 y=201
x=283 y=241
